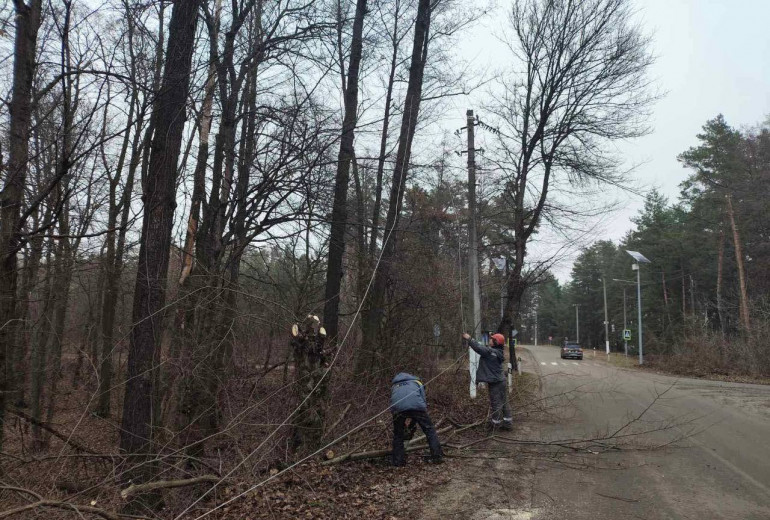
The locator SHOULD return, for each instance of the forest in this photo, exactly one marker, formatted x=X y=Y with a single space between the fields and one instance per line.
x=185 y=181
x=704 y=294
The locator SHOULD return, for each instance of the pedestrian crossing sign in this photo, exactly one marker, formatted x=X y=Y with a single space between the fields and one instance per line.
x=626 y=334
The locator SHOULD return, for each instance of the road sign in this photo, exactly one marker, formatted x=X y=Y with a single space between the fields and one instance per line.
x=626 y=334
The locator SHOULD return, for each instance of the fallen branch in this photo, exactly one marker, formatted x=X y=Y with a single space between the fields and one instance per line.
x=57 y=504
x=53 y=432
x=629 y=500
x=422 y=437
x=374 y=454
x=469 y=426
x=339 y=419
x=413 y=445
x=109 y=515
x=134 y=489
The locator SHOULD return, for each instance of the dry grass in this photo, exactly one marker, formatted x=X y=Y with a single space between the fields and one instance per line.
x=706 y=354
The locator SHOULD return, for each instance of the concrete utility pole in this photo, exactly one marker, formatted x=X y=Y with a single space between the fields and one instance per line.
x=625 y=326
x=473 y=251
x=577 y=322
x=625 y=320
x=606 y=321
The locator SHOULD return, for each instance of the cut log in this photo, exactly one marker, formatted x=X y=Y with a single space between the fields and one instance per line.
x=413 y=445
x=133 y=489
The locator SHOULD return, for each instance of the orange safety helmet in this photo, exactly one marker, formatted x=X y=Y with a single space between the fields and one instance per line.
x=499 y=339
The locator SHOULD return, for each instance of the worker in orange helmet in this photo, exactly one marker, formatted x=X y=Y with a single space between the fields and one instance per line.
x=490 y=371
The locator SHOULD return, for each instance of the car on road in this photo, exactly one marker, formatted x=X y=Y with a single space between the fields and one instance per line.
x=572 y=349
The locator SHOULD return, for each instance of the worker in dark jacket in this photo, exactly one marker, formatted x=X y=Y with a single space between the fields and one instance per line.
x=407 y=401
x=490 y=371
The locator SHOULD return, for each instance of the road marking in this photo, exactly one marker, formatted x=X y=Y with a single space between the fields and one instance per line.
x=554 y=363
x=574 y=363
x=542 y=362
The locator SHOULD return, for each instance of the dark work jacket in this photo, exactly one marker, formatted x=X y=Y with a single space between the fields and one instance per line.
x=407 y=393
x=491 y=363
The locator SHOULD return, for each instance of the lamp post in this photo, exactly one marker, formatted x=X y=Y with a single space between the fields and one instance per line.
x=640 y=259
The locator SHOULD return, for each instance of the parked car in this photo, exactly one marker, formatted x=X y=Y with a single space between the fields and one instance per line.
x=572 y=349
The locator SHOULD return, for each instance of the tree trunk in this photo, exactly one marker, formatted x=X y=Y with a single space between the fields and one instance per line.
x=744 y=308
x=30 y=278
x=199 y=177
x=339 y=209
x=116 y=238
x=61 y=288
x=720 y=275
x=27 y=22
x=39 y=351
x=159 y=196
x=515 y=287
x=310 y=384
x=207 y=317
x=374 y=315
x=384 y=141
x=361 y=256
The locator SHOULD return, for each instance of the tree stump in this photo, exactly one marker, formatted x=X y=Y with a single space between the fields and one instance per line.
x=307 y=343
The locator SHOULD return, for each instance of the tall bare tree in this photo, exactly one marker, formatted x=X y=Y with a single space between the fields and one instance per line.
x=169 y=114
x=373 y=317
x=339 y=223
x=12 y=197
x=583 y=84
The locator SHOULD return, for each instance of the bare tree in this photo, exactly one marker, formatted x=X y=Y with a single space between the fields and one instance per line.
x=120 y=203
x=11 y=199
x=159 y=202
x=372 y=318
x=583 y=84
x=262 y=156
x=346 y=155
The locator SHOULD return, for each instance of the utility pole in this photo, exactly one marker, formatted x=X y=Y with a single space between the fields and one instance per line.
x=625 y=323
x=625 y=320
x=606 y=321
x=473 y=251
x=577 y=322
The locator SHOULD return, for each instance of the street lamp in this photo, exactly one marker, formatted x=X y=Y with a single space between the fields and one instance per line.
x=640 y=259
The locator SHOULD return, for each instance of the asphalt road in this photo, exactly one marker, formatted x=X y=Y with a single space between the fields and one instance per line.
x=664 y=448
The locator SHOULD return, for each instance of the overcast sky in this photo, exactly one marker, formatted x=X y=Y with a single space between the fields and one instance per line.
x=713 y=56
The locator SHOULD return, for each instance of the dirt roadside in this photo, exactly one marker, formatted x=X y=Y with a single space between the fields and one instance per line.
x=492 y=481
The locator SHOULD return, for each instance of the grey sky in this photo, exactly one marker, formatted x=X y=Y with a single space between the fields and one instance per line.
x=713 y=56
